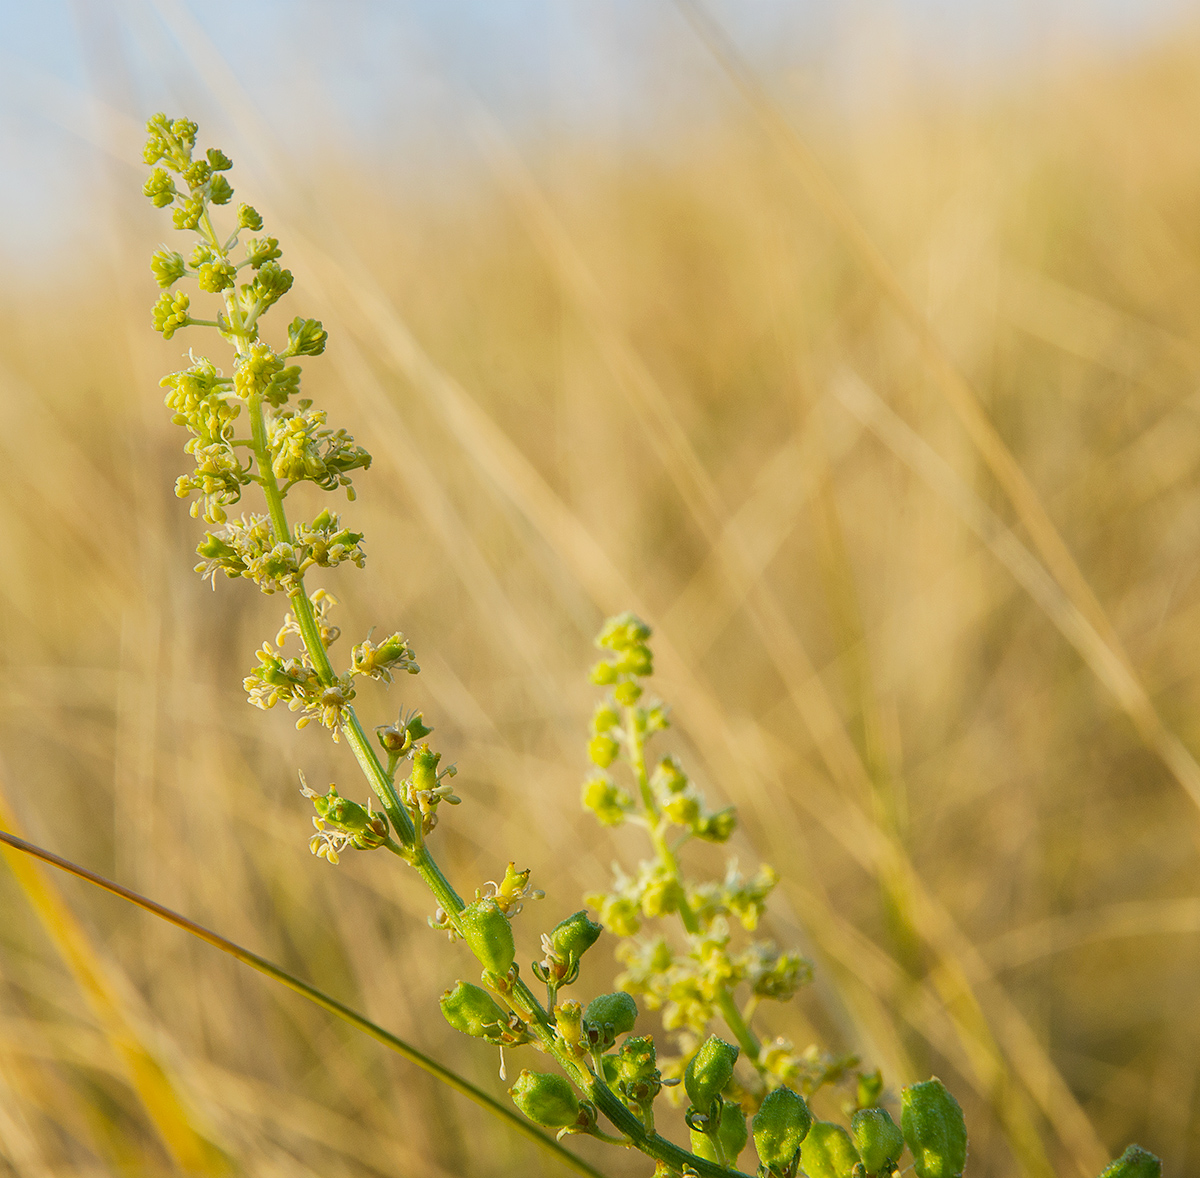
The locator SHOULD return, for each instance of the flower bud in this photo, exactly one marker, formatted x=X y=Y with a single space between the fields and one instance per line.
x=489 y=935
x=168 y=266
x=604 y=719
x=545 y=1099
x=627 y=694
x=879 y=1140
x=1135 y=1162
x=780 y=1127
x=602 y=750
x=683 y=809
x=731 y=1132
x=828 y=1152
x=611 y=1015
x=669 y=777
x=716 y=828
x=623 y=632
x=472 y=1010
x=219 y=190
x=934 y=1130
x=573 y=937
x=307 y=337
x=605 y=799
x=708 y=1071
x=604 y=674
x=248 y=218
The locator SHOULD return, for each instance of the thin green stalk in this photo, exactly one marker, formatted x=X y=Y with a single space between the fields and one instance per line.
x=522 y=998
x=320 y=998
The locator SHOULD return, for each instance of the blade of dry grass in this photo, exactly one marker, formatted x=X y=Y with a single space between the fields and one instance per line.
x=21 y=861
x=163 y=1104
x=958 y=394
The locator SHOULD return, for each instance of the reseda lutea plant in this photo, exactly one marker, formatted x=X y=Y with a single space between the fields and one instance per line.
x=677 y=938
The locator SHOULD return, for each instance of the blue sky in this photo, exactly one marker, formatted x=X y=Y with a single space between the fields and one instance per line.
x=384 y=78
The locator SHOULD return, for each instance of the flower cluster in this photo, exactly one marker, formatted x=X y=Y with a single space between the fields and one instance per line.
x=341 y=824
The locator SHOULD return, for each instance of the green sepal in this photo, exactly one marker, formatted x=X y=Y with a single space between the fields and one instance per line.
x=780 y=1127
x=934 y=1130
x=828 y=1152
x=546 y=1099
x=879 y=1140
x=708 y=1071
x=487 y=931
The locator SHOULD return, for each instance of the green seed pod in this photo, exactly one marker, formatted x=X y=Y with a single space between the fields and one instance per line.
x=708 y=1071
x=610 y=1015
x=488 y=933
x=828 y=1152
x=573 y=937
x=780 y=1127
x=731 y=1134
x=879 y=1140
x=1135 y=1162
x=472 y=1010
x=545 y=1099
x=934 y=1130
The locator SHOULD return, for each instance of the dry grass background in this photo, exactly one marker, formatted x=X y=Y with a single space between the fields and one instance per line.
x=596 y=379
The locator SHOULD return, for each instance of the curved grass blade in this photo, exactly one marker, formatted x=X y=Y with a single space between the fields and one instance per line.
x=396 y=1044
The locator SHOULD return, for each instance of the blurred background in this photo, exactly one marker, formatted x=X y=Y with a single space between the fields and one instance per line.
x=856 y=346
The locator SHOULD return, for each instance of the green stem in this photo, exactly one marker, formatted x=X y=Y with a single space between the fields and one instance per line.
x=748 y=1041
x=455 y=1081
x=521 y=997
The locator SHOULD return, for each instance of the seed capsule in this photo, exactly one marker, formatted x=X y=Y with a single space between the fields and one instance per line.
x=573 y=937
x=780 y=1127
x=610 y=1015
x=828 y=1152
x=934 y=1130
x=472 y=1010
x=488 y=933
x=545 y=1099
x=879 y=1140
x=708 y=1071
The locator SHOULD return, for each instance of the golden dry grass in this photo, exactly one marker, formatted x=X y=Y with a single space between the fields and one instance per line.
x=596 y=381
